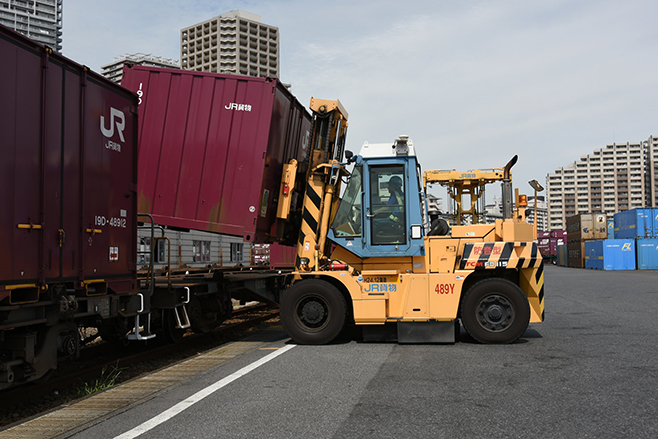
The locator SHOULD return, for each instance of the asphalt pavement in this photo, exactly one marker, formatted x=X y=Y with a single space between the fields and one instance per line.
x=590 y=370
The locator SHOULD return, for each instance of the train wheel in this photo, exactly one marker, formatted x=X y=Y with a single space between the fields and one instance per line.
x=313 y=312
x=495 y=311
x=116 y=333
x=169 y=330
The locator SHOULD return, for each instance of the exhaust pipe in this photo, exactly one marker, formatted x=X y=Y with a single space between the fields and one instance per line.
x=507 y=188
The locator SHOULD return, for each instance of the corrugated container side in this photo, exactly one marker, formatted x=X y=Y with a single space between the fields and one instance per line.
x=576 y=254
x=636 y=223
x=594 y=255
x=647 y=253
x=600 y=225
x=559 y=234
x=554 y=242
x=610 y=254
x=580 y=227
x=212 y=147
x=282 y=256
x=611 y=228
x=562 y=255
x=68 y=171
x=542 y=234
x=587 y=226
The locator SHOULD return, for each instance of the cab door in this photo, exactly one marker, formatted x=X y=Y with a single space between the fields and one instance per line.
x=386 y=208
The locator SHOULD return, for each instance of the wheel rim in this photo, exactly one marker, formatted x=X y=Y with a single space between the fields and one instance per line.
x=312 y=312
x=495 y=313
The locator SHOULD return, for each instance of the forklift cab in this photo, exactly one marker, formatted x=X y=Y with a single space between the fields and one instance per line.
x=380 y=212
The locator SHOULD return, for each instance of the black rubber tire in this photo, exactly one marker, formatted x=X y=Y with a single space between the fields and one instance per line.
x=313 y=312
x=495 y=311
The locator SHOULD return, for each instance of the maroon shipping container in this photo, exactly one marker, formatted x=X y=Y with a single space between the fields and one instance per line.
x=68 y=174
x=554 y=242
x=559 y=234
x=212 y=147
x=282 y=256
x=541 y=234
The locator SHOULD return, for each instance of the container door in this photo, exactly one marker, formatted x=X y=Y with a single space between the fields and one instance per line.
x=71 y=247
x=108 y=220
x=20 y=167
x=52 y=187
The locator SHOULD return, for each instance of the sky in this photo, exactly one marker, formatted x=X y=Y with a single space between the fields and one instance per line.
x=473 y=83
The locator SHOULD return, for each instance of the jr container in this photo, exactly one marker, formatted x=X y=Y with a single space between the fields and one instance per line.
x=559 y=234
x=282 y=256
x=647 y=254
x=610 y=254
x=212 y=149
x=68 y=174
x=637 y=223
x=554 y=244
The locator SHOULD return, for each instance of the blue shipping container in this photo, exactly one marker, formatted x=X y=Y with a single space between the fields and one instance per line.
x=637 y=223
x=562 y=253
x=611 y=228
x=647 y=254
x=610 y=254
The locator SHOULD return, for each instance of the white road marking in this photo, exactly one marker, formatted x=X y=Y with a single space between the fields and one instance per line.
x=189 y=402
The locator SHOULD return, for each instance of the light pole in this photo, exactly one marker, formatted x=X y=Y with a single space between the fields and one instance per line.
x=538 y=188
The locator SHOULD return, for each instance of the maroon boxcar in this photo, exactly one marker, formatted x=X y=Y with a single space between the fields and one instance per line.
x=68 y=175
x=212 y=147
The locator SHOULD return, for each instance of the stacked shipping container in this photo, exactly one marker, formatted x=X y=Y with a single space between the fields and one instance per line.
x=547 y=243
x=641 y=226
x=632 y=241
x=610 y=254
x=580 y=229
x=562 y=255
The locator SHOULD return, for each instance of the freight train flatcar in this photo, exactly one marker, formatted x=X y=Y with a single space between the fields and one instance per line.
x=71 y=256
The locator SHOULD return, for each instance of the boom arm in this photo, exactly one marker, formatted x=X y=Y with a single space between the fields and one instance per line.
x=323 y=178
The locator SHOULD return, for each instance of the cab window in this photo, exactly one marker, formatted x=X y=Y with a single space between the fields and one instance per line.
x=348 y=216
x=387 y=205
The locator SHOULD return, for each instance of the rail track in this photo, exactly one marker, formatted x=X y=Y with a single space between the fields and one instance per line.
x=97 y=362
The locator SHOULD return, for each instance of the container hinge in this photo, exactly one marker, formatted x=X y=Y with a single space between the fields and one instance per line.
x=61 y=236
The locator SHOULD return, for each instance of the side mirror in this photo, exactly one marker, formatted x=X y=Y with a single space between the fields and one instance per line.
x=349 y=155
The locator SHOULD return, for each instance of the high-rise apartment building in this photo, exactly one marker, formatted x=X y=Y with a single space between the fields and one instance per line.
x=235 y=42
x=612 y=179
x=40 y=20
x=651 y=171
x=542 y=212
x=114 y=70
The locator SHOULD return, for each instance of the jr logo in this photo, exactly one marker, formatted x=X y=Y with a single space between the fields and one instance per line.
x=116 y=116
